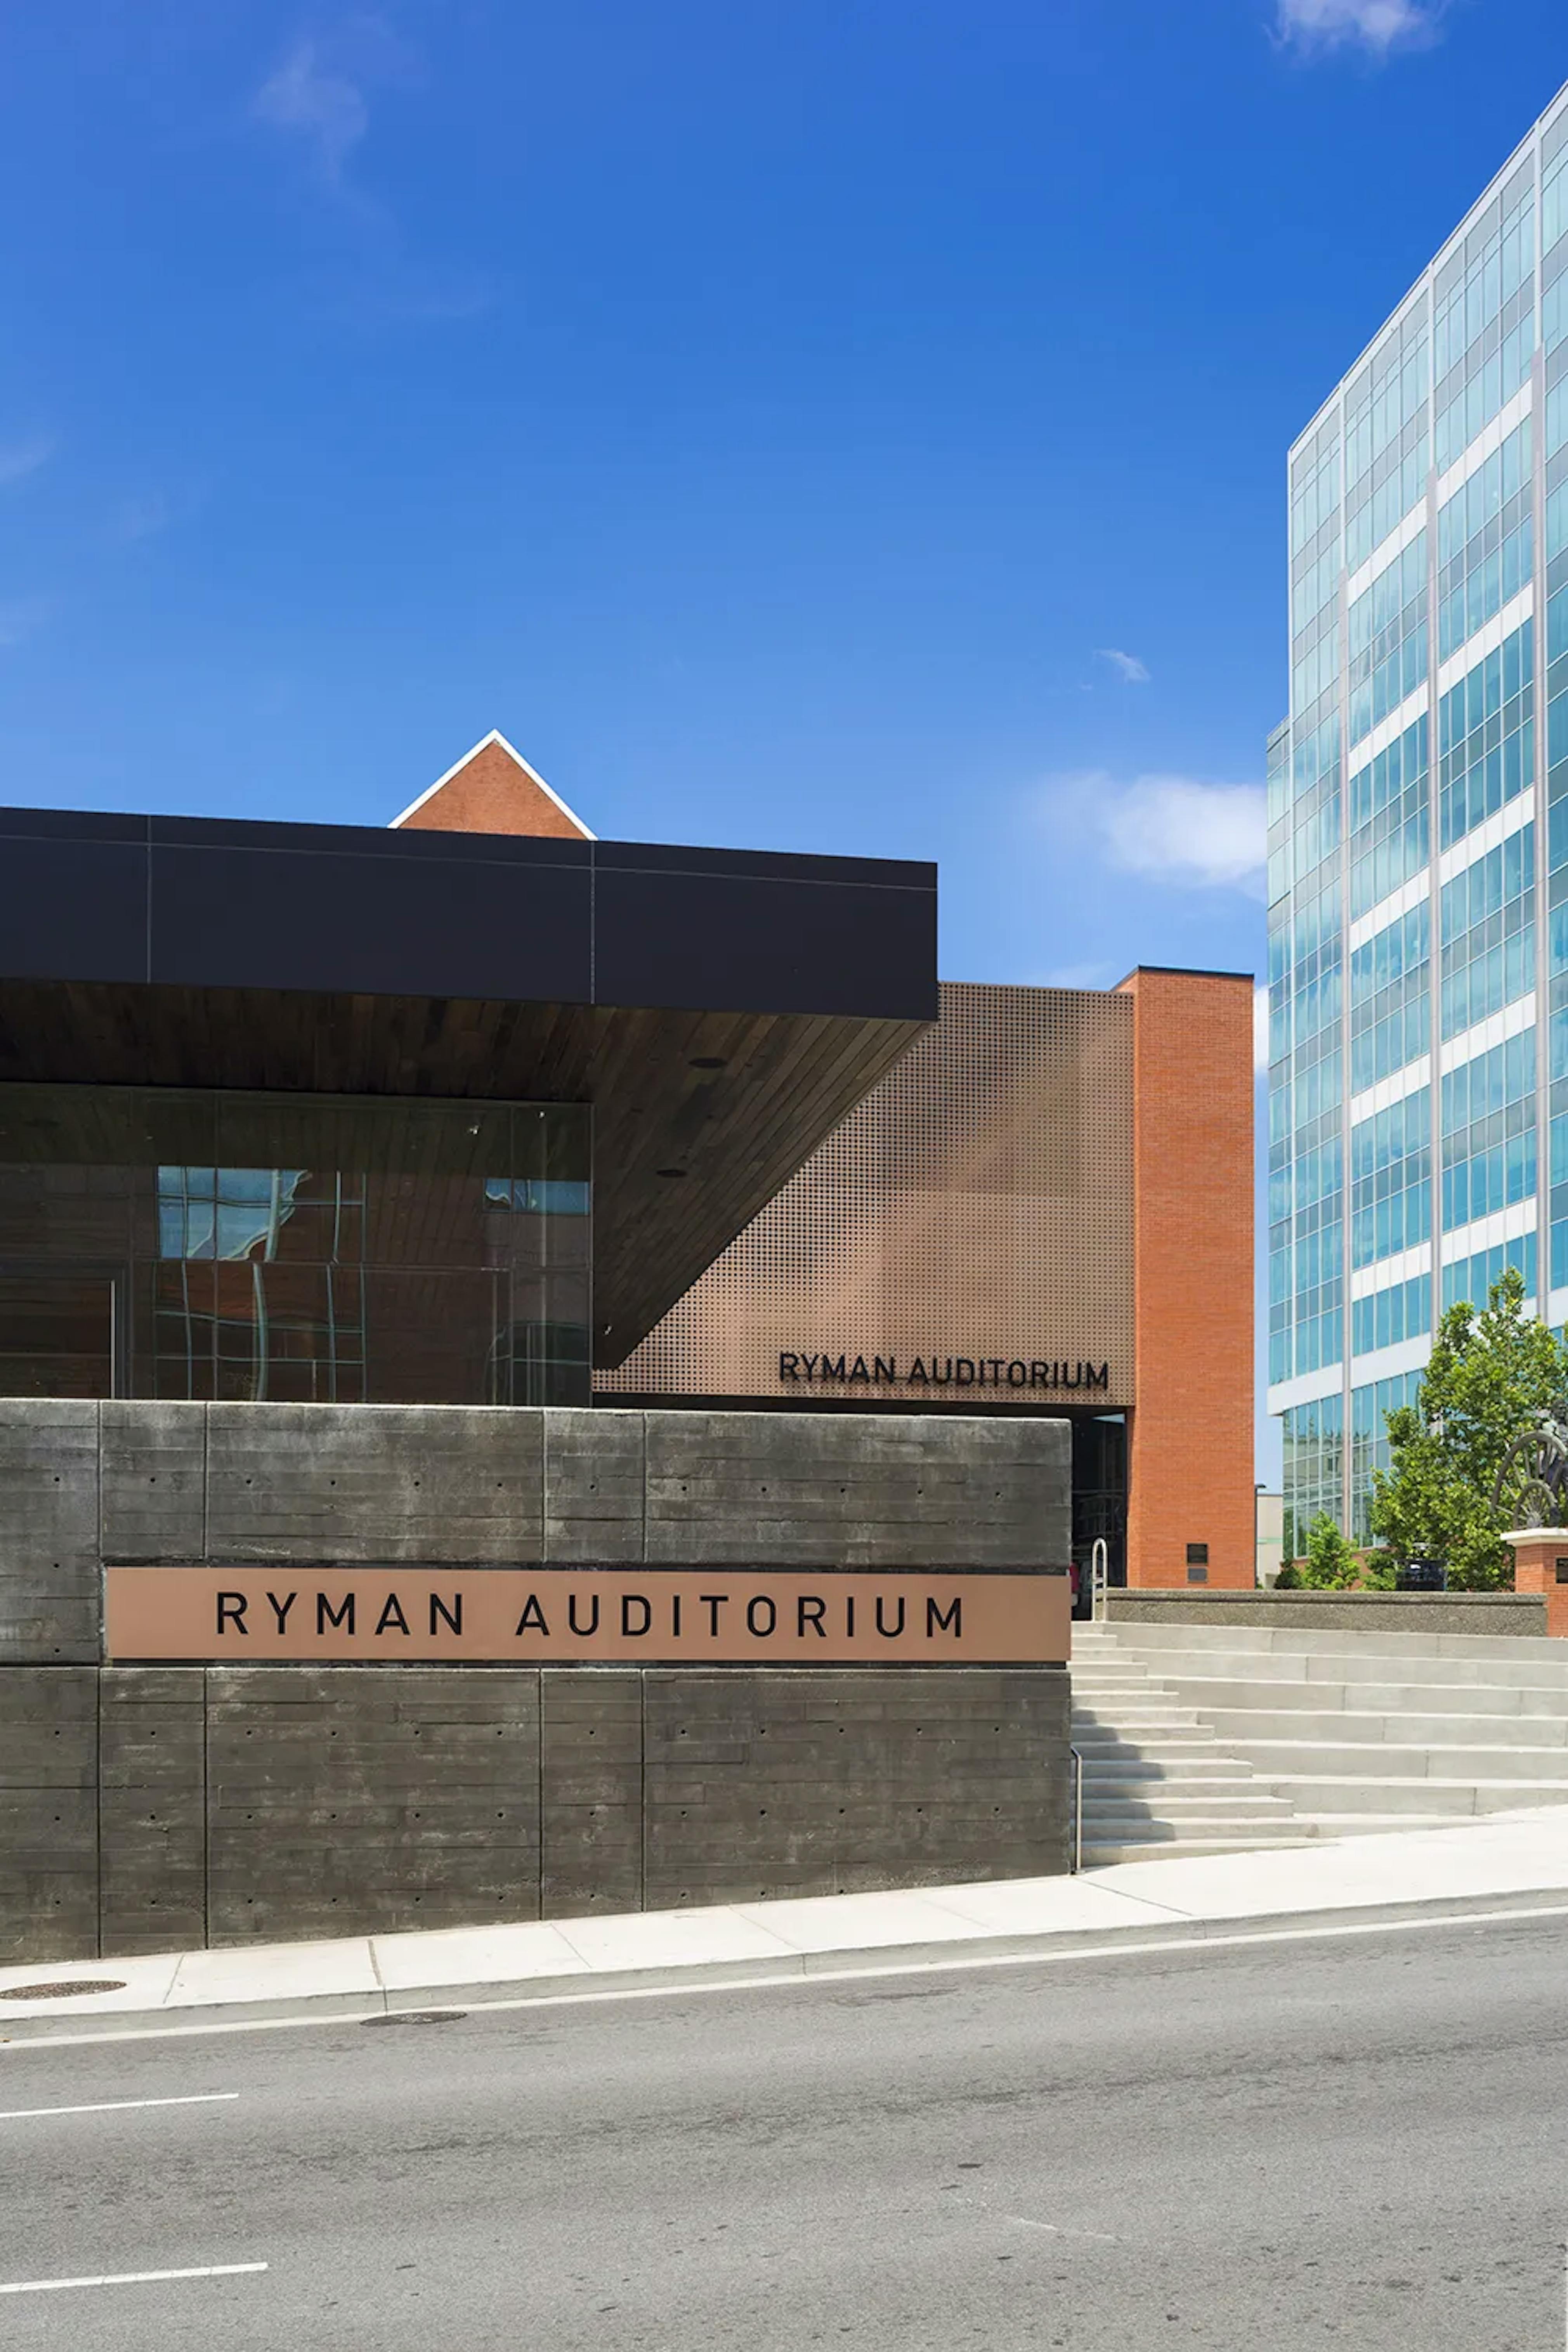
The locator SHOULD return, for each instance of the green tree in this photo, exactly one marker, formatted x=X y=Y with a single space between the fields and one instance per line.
x=1491 y=1375
x=1331 y=1561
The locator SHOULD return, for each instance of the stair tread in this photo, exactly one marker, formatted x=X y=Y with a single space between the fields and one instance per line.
x=1106 y=1857
x=1203 y=1745
x=1559 y=1789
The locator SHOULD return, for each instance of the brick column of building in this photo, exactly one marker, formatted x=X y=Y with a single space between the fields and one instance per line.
x=1541 y=1565
x=1190 y=1502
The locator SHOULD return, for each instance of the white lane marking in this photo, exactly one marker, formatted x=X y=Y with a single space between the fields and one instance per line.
x=115 y=2106
x=129 y=2278
x=800 y=1979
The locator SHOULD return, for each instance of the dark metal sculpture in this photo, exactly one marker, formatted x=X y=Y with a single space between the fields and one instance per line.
x=1532 y=1488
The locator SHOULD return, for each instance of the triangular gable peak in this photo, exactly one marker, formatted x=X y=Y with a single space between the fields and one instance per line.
x=492 y=789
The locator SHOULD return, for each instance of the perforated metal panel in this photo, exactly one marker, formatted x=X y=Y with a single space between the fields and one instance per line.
x=976 y=1209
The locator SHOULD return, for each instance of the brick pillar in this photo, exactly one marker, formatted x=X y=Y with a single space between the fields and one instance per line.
x=1191 y=1456
x=1541 y=1565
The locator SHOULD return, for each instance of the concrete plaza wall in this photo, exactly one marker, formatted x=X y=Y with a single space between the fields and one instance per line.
x=146 y=1808
x=1336 y=1613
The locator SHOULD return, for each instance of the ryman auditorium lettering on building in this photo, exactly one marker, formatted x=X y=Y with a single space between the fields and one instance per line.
x=943 y=1372
x=711 y=1616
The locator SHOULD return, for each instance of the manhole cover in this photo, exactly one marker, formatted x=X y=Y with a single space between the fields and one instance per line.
x=418 y=2017
x=64 y=1990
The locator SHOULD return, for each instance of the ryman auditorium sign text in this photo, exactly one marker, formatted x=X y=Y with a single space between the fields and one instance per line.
x=943 y=1372
x=518 y=1616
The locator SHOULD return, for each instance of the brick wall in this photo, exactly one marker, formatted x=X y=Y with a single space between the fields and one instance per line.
x=490 y=793
x=1191 y=1474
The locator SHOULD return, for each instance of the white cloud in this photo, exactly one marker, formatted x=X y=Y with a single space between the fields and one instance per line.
x=1134 y=672
x=1175 y=829
x=1376 y=26
x=321 y=107
x=20 y=459
x=1260 y=1029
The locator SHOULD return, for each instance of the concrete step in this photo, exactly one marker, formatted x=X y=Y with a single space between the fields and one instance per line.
x=1332 y=1825
x=1177 y=1668
x=1151 y=1848
x=1239 y=1813
x=1199 y=1742
x=1088 y=1692
x=1207 y=1692
x=1112 y=1665
x=1155 y=1777
x=1122 y=1703
x=1139 y=1720
x=1193 y=1737
x=1119 y=1685
x=1377 y=1761
x=1200 y=1773
x=1314 y=1794
x=1242 y=1726
x=1155 y=1643
x=1112 y=1701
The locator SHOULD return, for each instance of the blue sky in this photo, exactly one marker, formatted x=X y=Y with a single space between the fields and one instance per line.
x=849 y=427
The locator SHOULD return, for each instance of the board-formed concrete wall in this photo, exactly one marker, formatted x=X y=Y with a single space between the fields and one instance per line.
x=149 y=1808
x=1337 y=1612
x=154 y=1808
x=81 y=1484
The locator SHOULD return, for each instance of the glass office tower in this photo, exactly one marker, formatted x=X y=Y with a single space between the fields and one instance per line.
x=1418 y=838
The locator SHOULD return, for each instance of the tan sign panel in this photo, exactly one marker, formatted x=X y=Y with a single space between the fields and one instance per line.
x=599 y=1617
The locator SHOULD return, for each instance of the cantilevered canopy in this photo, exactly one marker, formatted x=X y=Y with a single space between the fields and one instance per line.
x=721 y=1011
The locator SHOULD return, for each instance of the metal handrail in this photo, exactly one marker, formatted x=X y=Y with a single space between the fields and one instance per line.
x=1077 y=1808
x=1099 y=1579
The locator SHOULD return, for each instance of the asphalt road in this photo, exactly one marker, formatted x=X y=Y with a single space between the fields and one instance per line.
x=1360 y=2141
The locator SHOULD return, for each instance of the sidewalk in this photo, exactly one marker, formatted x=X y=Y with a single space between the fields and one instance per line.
x=1340 y=1883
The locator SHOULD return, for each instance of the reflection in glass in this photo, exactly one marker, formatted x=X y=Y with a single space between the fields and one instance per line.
x=293 y=1248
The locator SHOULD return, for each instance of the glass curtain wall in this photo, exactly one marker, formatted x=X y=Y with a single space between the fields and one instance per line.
x=293 y=1248
x=1418 y=837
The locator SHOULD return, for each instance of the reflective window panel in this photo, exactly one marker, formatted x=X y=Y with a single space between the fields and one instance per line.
x=297 y=1248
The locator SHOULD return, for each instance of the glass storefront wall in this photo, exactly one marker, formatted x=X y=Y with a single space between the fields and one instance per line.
x=293 y=1248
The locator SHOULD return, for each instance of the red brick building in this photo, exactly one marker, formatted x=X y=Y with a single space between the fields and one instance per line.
x=1045 y=1206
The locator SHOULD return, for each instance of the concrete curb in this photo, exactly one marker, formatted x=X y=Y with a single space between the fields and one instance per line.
x=784 y=1969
